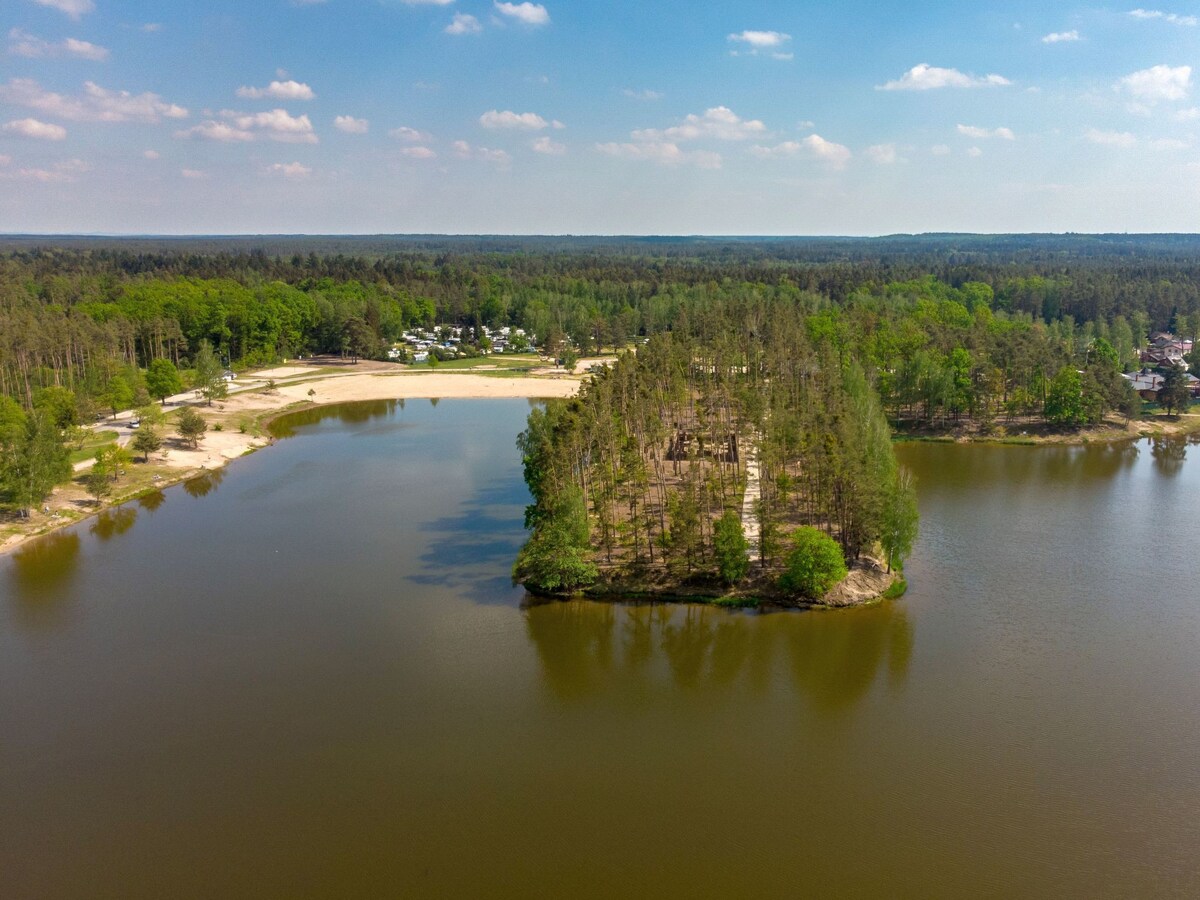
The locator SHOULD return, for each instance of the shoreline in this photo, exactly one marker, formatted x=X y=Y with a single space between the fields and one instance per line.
x=239 y=425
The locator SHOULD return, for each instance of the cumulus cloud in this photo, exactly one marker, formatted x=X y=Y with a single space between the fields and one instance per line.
x=1062 y=37
x=35 y=130
x=292 y=170
x=509 y=119
x=768 y=42
x=64 y=171
x=974 y=152
x=212 y=130
x=972 y=131
x=351 y=125
x=665 y=153
x=151 y=155
x=548 y=147
x=834 y=155
x=463 y=24
x=719 y=122
x=411 y=135
x=278 y=90
x=1157 y=83
x=644 y=94
x=418 y=153
x=882 y=154
x=761 y=40
x=275 y=125
x=463 y=150
x=22 y=43
x=925 y=77
x=97 y=104
x=1173 y=18
x=1121 y=139
x=525 y=13
x=73 y=8
x=193 y=174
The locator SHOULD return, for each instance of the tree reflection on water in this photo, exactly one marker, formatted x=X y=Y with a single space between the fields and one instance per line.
x=590 y=649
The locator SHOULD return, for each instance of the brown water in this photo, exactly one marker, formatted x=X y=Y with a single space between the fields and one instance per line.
x=309 y=676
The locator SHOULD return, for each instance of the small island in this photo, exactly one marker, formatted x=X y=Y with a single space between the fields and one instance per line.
x=743 y=459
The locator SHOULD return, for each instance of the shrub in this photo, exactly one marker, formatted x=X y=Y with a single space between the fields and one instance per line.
x=814 y=565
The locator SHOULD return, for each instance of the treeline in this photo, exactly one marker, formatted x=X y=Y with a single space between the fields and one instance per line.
x=1020 y=309
x=646 y=469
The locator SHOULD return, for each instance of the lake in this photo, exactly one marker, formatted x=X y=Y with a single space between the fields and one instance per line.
x=309 y=675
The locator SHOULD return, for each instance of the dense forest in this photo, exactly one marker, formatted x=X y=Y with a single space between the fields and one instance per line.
x=946 y=329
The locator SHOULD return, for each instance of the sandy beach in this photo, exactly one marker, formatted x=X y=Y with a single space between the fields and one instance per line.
x=237 y=424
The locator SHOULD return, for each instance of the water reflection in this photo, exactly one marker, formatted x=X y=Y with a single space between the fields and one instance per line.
x=203 y=485
x=42 y=574
x=152 y=501
x=1168 y=454
x=112 y=522
x=832 y=659
x=348 y=413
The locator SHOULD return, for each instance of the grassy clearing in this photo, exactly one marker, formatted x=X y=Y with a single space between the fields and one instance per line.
x=95 y=441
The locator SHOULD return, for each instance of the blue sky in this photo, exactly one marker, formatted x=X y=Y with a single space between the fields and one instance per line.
x=366 y=116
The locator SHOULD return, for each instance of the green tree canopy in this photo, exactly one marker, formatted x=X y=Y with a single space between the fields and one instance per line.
x=814 y=565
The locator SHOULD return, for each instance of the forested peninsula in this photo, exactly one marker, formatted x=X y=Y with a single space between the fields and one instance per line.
x=730 y=351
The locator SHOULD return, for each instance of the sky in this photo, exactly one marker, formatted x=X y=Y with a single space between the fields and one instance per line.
x=597 y=117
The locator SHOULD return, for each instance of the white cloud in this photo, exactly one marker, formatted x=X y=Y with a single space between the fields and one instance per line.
x=411 y=135
x=925 y=77
x=940 y=150
x=549 y=147
x=65 y=171
x=972 y=131
x=1188 y=115
x=152 y=27
x=1169 y=144
x=192 y=174
x=1062 y=37
x=73 y=8
x=216 y=131
x=761 y=40
x=96 y=105
x=278 y=90
x=463 y=150
x=719 y=122
x=22 y=43
x=835 y=155
x=151 y=155
x=418 y=153
x=351 y=125
x=665 y=153
x=1110 y=138
x=293 y=170
x=418 y=2
x=1173 y=18
x=32 y=128
x=974 y=152
x=644 y=94
x=5 y=160
x=276 y=124
x=1157 y=83
x=882 y=154
x=526 y=13
x=509 y=119
x=463 y=24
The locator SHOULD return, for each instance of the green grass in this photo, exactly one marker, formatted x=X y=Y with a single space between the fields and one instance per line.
x=896 y=591
x=95 y=442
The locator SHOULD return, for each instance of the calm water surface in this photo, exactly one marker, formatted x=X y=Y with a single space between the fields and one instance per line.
x=310 y=676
